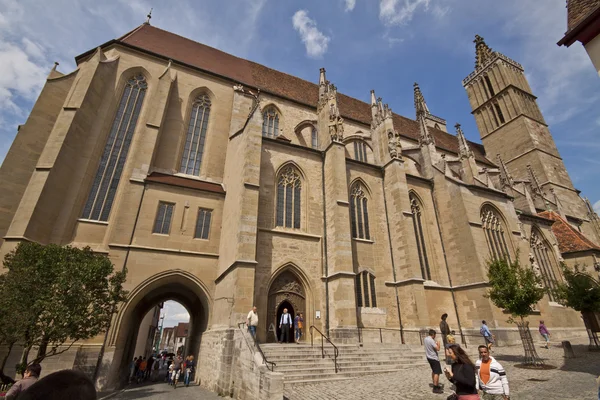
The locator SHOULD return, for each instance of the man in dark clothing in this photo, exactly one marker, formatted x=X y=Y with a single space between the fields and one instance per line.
x=149 y=365
x=285 y=324
x=445 y=331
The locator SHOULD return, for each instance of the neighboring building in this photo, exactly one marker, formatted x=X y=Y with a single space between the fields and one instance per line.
x=181 y=334
x=147 y=332
x=167 y=340
x=583 y=25
x=222 y=184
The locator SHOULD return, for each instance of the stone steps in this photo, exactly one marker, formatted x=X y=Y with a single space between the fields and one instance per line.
x=302 y=364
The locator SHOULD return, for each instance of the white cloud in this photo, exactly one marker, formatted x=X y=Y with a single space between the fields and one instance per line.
x=315 y=41
x=350 y=4
x=174 y=313
x=400 y=12
x=597 y=206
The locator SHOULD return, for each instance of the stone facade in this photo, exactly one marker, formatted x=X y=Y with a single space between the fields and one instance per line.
x=298 y=202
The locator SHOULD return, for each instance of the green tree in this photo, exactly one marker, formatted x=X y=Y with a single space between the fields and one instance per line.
x=516 y=290
x=62 y=294
x=581 y=292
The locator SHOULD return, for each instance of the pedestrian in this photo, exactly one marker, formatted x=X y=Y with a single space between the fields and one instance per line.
x=149 y=366
x=445 y=331
x=31 y=375
x=298 y=325
x=137 y=366
x=285 y=324
x=252 y=321
x=544 y=332
x=431 y=352
x=462 y=374
x=155 y=370
x=62 y=385
x=132 y=369
x=491 y=377
x=487 y=335
x=190 y=368
x=451 y=340
x=177 y=363
x=142 y=370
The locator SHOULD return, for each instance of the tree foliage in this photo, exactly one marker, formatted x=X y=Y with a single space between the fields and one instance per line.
x=579 y=290
x=57 y=295
x=514 y=288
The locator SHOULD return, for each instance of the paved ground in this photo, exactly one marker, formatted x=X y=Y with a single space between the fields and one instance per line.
x=572 y=379
x=163 y=391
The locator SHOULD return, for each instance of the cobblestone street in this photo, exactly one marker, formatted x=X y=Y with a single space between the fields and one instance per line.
x=572 y=379
x=161 y=391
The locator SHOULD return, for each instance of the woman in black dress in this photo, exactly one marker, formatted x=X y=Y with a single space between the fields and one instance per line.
x=462 y=373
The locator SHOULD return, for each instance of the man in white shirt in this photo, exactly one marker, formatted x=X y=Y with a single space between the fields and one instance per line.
x=431 y=352
x=252 y=321
x=490 y=376
x=285 y=324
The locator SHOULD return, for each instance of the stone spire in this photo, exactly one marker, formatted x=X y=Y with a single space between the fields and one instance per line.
x=425 y=138
x=322 y=83
x=483 y=53
x=464 y=151
x=420 y=104
x=328 y=109
x=535 y=184
x=506 y=178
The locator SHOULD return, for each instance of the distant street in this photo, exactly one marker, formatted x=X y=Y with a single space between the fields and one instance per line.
x=160 y=390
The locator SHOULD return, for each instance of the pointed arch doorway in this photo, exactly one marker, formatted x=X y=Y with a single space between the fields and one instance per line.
x=286 y=291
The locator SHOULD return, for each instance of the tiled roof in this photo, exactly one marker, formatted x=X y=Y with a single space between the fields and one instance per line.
x=578 y=10
x=182 y=329
x=570 y=240
x=194 y=54
x=185 y=182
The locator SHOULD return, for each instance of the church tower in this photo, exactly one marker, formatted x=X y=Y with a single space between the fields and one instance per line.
x=512 y=126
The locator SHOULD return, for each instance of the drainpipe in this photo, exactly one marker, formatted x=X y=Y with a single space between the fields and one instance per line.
x=437 y=220
x=392 y=257
x=103 y=348
x=325 y=246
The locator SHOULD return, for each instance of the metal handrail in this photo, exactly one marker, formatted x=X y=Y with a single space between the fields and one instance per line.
x=270 y=364
x=336 y=352
x=360 y=329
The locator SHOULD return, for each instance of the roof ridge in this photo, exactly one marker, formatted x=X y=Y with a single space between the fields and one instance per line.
x=579 y=235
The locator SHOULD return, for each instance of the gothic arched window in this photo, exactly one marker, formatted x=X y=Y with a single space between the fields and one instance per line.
x=270 y=126
x=542 y=261
x=196 y=136
x=360 y=151
x=289 y=186
x=493 y=228
x=108 y=175
x=365 y=290
x=359 y=212
x=416 y=208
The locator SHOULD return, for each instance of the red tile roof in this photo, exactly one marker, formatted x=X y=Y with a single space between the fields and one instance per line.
x=579 y=10
x=570 y=240
x=185 y=182
x=171 y=46
x=182 y=329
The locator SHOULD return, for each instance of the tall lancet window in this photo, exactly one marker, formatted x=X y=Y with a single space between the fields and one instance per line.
x=270 y=123
x=196 y=136
x=113 y=158
x=314 y=138
x=359 y=212
x=493 y=229
x=416 y=208
x=289 y=186
x=542 y=262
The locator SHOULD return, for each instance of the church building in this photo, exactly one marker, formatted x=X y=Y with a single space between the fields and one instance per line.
x=223 y=184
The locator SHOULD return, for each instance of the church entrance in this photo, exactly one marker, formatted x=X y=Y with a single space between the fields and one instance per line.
x=286 y=291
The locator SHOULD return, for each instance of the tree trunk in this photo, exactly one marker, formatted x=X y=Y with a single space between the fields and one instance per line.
x=6 y=358
x=24 y=360
x=41 y=354
x=588 y=318
x=531 y=356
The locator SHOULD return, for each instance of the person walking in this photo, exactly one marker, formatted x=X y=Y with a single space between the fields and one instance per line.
x=487 y=335
x=31 y=375
x=142 y=370
x=177 y=363
x=491 y=377
x=285 y=324
x=252 y=321
x=151 y=362
x=462 y=374
x=132 y=369
x=431 y=352
x=544 y=332
x=298 y=325
x=190 y=368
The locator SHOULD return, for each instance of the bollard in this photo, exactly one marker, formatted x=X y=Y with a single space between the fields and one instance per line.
x=568 y=349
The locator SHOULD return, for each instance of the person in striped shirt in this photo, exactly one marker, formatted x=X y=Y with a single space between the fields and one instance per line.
x=491 y=377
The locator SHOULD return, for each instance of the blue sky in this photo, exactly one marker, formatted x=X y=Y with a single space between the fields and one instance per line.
x=384 y=45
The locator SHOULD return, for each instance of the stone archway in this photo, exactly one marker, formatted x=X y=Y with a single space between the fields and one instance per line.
x=285 y=290
x=170 y=285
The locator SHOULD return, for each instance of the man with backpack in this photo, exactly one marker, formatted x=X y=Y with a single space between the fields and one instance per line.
x=487 y=336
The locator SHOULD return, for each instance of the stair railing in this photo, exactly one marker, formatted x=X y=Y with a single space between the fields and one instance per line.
x=270 y=364
x=336 y=352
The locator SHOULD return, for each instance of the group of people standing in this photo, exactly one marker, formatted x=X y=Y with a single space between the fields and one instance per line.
x=486 y=374
x=287 y=324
